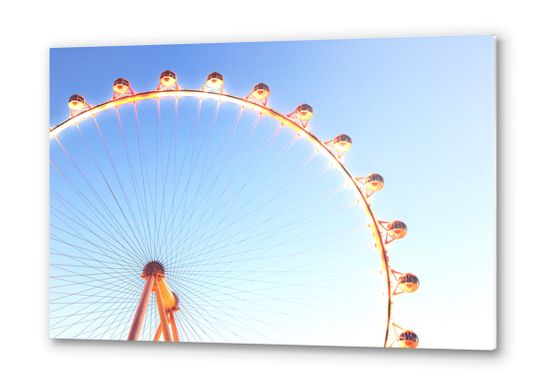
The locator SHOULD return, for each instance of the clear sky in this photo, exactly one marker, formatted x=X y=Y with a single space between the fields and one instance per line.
x=420 y=113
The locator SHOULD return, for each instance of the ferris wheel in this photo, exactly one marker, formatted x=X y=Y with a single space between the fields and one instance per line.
x=195 y=215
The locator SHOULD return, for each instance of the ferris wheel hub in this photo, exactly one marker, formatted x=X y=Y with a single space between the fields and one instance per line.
x=154 y=268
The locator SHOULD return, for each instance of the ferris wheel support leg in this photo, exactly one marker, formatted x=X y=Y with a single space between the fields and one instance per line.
x=162 y=313
x=158 y=333
x=141 y=309
x=174 y=326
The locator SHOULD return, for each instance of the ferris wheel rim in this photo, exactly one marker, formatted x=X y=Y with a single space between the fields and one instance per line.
x=262 y=109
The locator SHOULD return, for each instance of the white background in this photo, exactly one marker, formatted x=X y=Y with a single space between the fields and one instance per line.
x=28 y=30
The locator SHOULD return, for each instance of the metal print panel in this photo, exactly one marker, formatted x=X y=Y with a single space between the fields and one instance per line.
x=333 y=193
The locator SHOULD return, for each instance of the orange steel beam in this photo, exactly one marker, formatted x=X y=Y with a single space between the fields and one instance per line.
x=158 y=333
x=162 y=312
x=141 y=309
x=167 y=295
x=166 y=302
x=173 y=326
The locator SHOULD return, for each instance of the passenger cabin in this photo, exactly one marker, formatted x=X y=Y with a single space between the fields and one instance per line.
x=304 y=112
x=261 y=91
x=342 y=143
x=408 y=283
x=407 y=339
x=396 y=229
x=76 y=102
x=215 y=80
x=168 y=79
x=121 y=86
x=374 y=182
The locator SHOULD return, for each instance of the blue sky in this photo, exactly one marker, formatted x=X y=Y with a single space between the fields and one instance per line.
x=420 y=113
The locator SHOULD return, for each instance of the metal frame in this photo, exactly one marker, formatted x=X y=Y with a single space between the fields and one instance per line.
x=262 y=108
x=167 y=306
x=361 y=181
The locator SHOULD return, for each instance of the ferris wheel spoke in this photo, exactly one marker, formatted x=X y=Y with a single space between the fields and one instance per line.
x=122 y=316
x=139 y=235
x=223 y=308
x=172 y=212
x=101 y=271
x=138 y=193
x=247 y=136
x=211 y=127
x=189 y=166
x=274 y=284
x=203 y=172
x=209 y=132
x=182 y=323
x=117 y=227
x=280 y=258
x=202 y=323
x=209 y=231
x=165 y=180
x=205 y=223
x=190 y=310
x=89 y=320
x=219 y=259
x=75 y=219
x=75 y=276
x=79 y=319
x=261 y=255
x=85 y=239
x=79 y=278
x=79 y=259
x=218 y=205
x=77 y=316
x=106 y=250
x=135 y=236
x=147 y=192
x=239 y=211
x=220 y=289
x=172 y=141
x=188 y=333
x=159 y=163
x=91 y=312
x=170 y=232
x=84 y=279
x=87 y=203
x=90 y=287
x=151 y=322
x=222 y=323
x=114 y=270
x=209 y=258
x=253 y=227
